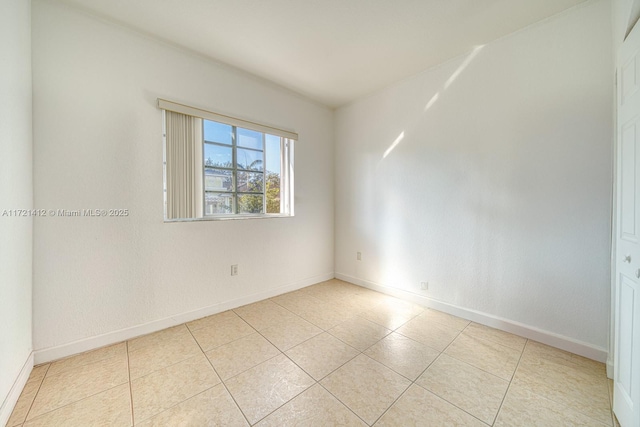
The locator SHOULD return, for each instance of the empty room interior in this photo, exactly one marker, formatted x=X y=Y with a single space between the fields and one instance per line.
x=337 y=212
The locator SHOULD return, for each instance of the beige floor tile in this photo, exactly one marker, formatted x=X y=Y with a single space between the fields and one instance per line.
x=265 y=314
x=76 y=384
x=421 y=408
x=331 y=290
x=466 y=387
x=20 y=411
x=290 y=334
x=373 y=297
x=445 y=319
x=161 y=353
x=392 y=314
x=344 y=297
x=578 y=387
x=169 y=386
x=82 y=359
x=296 y=302
x=495 y=335
x=486 y=355
x=108 y=408
x=359 y=333
x=240 y=355
x=322 y=355
x=157 y=338
x=320 y=313
x=435 y=335
x=173 y=383
x=214 y=336
x=366 y=387
x=593 y=372
x=213 y=320
x=39 y=372
x=27 y=396
x=266 y=387
x=325 y=315
x=407 y=357
x=535 y=350
x=402 y=305
x=522 y=407
x=213 y=407
x=315 y=407
x=355 y=304
x=386 y=319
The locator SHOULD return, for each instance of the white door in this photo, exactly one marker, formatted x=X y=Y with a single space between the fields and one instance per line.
x=626 y=400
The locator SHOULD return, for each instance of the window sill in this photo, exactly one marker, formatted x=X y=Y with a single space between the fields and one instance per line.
x=229 y=218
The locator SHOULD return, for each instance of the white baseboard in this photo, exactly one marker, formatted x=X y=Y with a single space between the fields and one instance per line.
x=91 y=343
x=17 y=387
x=609 y=368
x=550 y=338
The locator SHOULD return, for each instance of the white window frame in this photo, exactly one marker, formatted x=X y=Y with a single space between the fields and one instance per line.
x=287 y=139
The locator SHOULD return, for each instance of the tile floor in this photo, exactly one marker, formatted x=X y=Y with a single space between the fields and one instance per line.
x=328 y=354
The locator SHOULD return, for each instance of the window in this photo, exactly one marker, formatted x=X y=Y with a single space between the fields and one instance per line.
x=218 y=167
x=242 y=170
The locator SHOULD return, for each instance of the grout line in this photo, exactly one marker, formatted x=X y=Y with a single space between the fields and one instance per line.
x=414 y=382
x=221 y=380
x=35 y=395
x=71 y=403
x=326 y=375
x=411 y=383
x=66 y=372
x=288 y=358
x=480 y=369
x=454 y=405
x=566 y=405
x=317 y=382
x=166 y=366
x=284 y=403
x=280 y=353
x=394 y=402
x=495 y=418
x=441 y=397
x=133 y=421
x=494 y=341
x=342 y=403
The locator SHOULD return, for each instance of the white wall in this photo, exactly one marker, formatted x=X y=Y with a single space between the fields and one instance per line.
x=499 y=193
x=15 y=193
x=624 y=15
x=98 y=144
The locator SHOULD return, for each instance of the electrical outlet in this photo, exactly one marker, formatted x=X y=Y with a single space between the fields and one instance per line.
x=424 y=286
x=359 y=256
x=234 y=270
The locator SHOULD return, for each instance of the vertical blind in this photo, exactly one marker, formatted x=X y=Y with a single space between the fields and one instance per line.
x=184 y=166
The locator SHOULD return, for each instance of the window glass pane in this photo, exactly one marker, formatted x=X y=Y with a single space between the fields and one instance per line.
x=273 y=192
x=249 y=203
x=218 y=155
x=250 y=182
x=217 y=132
x=249 y=159
x=218 y=180
x=249 y=138
x=218 y=203
x=273 y=153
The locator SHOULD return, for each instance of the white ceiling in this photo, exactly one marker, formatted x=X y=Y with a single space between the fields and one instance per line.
x=332 y=51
